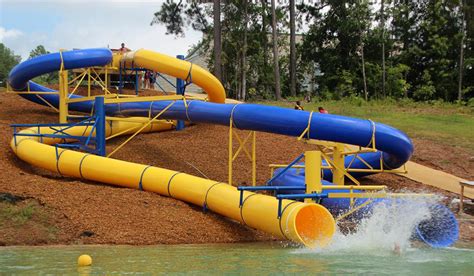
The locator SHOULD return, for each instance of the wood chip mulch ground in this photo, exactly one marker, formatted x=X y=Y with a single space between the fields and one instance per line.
x=81 y=212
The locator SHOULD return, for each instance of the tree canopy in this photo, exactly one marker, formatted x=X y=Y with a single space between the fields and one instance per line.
x=46 y=78
x=8 y=60
x=354 y=48
x=38 y=51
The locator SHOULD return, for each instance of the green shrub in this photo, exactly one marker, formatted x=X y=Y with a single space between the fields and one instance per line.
x=345 y=86
x=397 y=85
x=470 y=102
x=426 y=91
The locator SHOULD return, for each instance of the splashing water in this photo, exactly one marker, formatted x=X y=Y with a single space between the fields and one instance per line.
x=386 y=230
x=389 y=226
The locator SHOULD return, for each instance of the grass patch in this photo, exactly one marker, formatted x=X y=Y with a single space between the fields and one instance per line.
x=18 y=214
x=438 y=121
x=25 y=221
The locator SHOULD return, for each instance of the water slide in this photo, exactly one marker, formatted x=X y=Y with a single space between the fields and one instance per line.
x=307 y=223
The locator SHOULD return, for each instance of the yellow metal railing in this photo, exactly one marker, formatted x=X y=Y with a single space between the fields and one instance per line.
x=36 y=93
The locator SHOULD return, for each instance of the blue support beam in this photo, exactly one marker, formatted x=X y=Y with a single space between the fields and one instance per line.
x=295 y=197
x=100 y=125
x=269 y=182
x=265 y=188
x=136 y=80
x=180 y=86
x=280 y=197
x=302 y=196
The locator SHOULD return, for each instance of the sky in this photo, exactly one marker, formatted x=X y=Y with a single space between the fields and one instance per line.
x=68 y=24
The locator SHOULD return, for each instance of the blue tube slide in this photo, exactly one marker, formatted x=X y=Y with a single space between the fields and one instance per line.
x=25 y=71
x=395 y=147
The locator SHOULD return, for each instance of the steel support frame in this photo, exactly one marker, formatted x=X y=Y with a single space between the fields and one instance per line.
x=97 y=122
x=252 y=156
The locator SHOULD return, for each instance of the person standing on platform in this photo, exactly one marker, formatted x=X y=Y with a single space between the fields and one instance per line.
x=123 y=49
x=152 y=80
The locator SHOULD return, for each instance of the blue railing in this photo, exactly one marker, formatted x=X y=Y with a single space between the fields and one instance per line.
x=89 y=143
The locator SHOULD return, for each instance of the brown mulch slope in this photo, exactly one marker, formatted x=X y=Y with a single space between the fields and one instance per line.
x=113 y=215
x=95 y=213
x=450 y=159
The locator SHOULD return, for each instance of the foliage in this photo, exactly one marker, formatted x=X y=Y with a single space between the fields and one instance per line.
x=46 y=78
x=426 y=90
x=8 y=60
x=345 y=84
x=470 y=103
x=177 y=16
x=333 y=41
x=422 y=46
x=396 y=81
x=38 y=51
x=374 y=75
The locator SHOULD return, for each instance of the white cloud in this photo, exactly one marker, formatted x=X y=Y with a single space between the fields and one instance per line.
x=105 y=23
x=78 y=1
x=9 y=34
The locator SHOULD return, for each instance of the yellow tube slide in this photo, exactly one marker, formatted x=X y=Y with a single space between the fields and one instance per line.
x=177 y=68
x=307 y=223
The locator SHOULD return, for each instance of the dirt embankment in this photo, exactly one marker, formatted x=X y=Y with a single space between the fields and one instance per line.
x=451 y=159
x=61 y=210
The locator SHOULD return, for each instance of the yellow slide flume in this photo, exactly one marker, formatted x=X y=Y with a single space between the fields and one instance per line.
x=307 y=223
x=177 y=68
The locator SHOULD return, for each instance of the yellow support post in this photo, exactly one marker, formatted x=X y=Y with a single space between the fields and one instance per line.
x=338 y=159
x=313 y=173
x=252 y=156
x=231 y=153
x=88 y=82
x=107 y=84
x=63 y=95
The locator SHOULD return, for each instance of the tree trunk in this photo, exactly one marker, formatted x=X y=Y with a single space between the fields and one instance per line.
x=364 y=78
x=276 y=66
x=238 y=83
x=217 y=40
x=382 y=15
x=244 y=55
x=292 y=49
x=264 y=44
x=405 y=92
x=461 y=53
